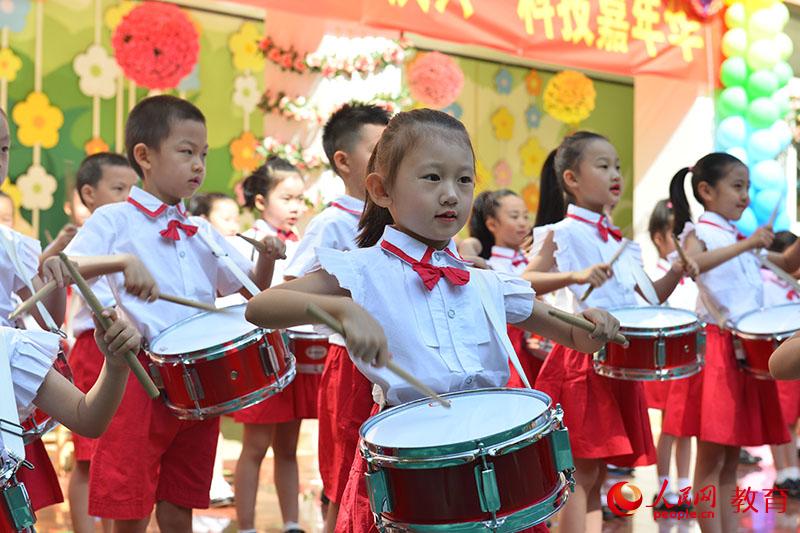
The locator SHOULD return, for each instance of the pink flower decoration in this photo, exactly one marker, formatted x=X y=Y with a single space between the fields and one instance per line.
x=502 y=173
x=156 y=45
x=435 y=79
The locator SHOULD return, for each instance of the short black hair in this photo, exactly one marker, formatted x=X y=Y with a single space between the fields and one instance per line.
x=91 y=169
x=201 y=204
x=782 y=240
x=150 y=121
x=343 y=129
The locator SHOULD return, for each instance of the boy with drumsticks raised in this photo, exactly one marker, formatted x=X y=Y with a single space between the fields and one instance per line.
x=148 y=457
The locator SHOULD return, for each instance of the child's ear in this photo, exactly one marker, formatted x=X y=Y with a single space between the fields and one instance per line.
x=260 y=202
x=570 y=181
x=342 y=161
x=87 y=195
x=141 y=153
x=491 y=224
x=705 y=191
x=377 y=190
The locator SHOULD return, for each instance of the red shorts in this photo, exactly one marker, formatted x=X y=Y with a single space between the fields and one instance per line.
x=531 y=364
x=86 y=361
x=41 y=482
x=296 y=402
x=147 y=455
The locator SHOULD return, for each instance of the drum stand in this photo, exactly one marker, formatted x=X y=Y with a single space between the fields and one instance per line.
x=18 y=509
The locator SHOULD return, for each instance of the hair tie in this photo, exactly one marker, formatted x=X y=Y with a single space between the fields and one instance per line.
x=669 y=205
x=691 y=169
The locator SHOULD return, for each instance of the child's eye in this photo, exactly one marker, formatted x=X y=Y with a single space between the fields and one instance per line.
x=465 y=179
x=431 y=177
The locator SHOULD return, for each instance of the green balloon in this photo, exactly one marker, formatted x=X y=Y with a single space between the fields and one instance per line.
x=732 y=101
x=761 y=113
x=733 y=72
x=781 y=101
x=762 y=83
x=783 y=71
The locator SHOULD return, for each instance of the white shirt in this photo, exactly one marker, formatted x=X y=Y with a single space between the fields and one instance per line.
x=261 y=228
x=335 y=227
x=777 y=291
x=507 y=260
x=31 y=354
x=28 y=252
x=685 y=294
x=736 y=284
x=184 y=267
x=442 y=336
x=579 y=246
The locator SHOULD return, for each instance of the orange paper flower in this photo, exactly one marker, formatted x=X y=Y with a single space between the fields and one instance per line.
x=244 y=154
x=95 y=146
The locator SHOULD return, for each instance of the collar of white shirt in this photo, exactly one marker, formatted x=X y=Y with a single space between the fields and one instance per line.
x=262 y=226
x=591 y=216
x=349 y=204
x=416 y=249
x=505 y=253
x=718 y=220
x=152 y=206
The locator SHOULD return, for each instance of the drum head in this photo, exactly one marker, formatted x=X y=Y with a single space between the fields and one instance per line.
x=306 y=330
x=473 y=415
x=653 y=317
x=202 y=331
x=774 y=320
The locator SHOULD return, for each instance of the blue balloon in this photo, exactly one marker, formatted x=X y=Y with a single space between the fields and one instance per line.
x=731 y=132
x=782 y=223
x=739 y=153
x=762 y=144
x=747 y=224
x=768 y=174
x=764 y=203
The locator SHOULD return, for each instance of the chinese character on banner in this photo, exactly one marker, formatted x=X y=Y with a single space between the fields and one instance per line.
x=532 y=10
x=646 y=15
x=744 y=500
x=575 y=21
x=706 y=494
x=682 y=33
x=613 y=26
x=775 y=499
x=466 y=7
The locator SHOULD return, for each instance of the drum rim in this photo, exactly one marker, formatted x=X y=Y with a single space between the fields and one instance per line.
x=758 y=336
x=295 y=334
x=659 y=374
x=468 y=448
x=666 y=331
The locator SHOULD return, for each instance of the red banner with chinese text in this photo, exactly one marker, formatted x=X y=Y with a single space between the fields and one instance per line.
x=625 y=37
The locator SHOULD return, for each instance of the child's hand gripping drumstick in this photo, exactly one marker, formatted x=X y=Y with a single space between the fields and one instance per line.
x=320 y=314
x=272 y=246
x=614 y=258
x=585 y=325
x=94 y=304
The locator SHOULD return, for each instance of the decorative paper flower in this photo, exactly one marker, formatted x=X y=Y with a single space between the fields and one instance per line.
x=533 y=116
x=244 y=45
x=454 y=110
x=533 y=83
x=97 y=71
x=435 y=79
x=37 y=188
x=192 y=80
x=530 y=194
x=10 y=64
x=502 y=173
x=503 y=81
x=483 y=178
x=13 y=14
x=244 y=152
x=95 y=146
x=532 y=155
x=245 y=92
x=569 y=97
x=296 y=155
x=12 y=191
x=115 y=14
x=503 y=124
x=37 y=120
x=156 y=45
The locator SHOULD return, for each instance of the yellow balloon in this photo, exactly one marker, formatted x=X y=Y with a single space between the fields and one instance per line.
x=735 y=15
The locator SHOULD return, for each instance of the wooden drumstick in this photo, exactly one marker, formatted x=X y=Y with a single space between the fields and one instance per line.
x=775 y=210
x=778 y=271
x=94 y=304
x=28 y=305
x=614 y=258
x=187 y=302
x=258 y=245
x=326 y=318
x=705 y=296
x=585 y=325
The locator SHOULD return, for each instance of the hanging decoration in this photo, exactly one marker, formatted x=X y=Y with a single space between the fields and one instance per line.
x=156 y=45
x=434 y=79
x=569 y=97
x=243 y=44
x=299 y=108
x=705 y=9
x=303 y=159
x=245 y=156
x=97 y=72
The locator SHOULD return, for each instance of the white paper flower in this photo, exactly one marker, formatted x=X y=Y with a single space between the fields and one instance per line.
x=245 y=92
x=37 y=188
x=97 y=71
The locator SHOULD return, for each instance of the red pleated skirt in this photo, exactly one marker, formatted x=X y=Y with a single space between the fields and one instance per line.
x=41 y=482
x=530 y=363
x=723 y=404
x=656 y=394
x=607 y=418
x=789 y=396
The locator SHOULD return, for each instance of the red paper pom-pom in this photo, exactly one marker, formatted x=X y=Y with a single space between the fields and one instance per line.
x=435 y=79
x=156 y=45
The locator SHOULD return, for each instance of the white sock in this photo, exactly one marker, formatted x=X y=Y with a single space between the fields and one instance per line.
x=794 y=472
x=291 y=525
x=683 y=482
x=783 y=474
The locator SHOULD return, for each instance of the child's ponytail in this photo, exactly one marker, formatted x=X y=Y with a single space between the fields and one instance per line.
x=681 y=211
x=552 y=205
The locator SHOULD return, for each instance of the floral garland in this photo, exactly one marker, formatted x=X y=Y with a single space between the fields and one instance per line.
x=301 y=109
x=303 y=159
x=364 y=64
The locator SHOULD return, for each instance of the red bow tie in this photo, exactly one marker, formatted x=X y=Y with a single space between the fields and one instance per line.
x=519 y=260
x=792 y=295
x=604 y=230
x=428 y=273
x=171 y=232
x=287 y=235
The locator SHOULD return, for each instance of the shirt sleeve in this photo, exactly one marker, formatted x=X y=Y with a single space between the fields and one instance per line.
x=319 y=234
x=343 y=267
x=28 y=252
x=227 y=282
x=518 y=296
x=31 y=354
x=94 y=237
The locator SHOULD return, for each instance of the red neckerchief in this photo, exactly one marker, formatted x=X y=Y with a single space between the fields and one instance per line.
x=171 y=231
x=739 y=236
x=517 y=259
x=337 y=205
x=604 y=230
x=286 y=235
x=430 y=274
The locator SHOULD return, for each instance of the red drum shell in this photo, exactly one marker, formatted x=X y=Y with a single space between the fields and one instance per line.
x=309 y=350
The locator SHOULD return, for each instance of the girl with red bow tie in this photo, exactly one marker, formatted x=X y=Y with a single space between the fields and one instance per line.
x=730 y=408
x=406 y=294
x=607 y=417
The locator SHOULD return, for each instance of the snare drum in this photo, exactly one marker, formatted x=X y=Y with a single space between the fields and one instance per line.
x=758 y=333
x=39 y=422
x=215 y=363
x=665 y=344
x=309 y=349
x=497 y=460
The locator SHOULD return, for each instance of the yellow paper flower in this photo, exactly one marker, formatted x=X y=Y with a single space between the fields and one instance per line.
x=503 y=124
x=243 y=152
x=115 y=14
x=483 y=178
x=10 y=64
x=244 y=47
x=95 y=146
x=569 y=97
x=12 y=191
x=37 y=120
x=37 y=188
x=532 y=155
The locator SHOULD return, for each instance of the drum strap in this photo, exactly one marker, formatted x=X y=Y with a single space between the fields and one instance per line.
x=499 y=326
x=10 y=429
x=228 y=263
x=8 y=241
